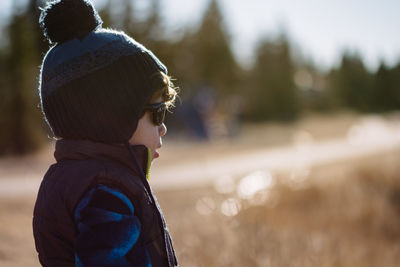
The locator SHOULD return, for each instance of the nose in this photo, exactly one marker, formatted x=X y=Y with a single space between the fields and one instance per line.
x=162 y=129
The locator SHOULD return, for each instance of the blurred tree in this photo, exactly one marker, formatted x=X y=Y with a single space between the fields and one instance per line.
x=121 y=15
x=214 y=63
x=20 y=116
x=128 y=19
x=395 y=87
x=153 y=35
x=310 y=83
x=386 y=89
x=33 y=12
x=105 y=14
x=153 y=28
x=272 y=93
x=350 y=85
x=148 y=29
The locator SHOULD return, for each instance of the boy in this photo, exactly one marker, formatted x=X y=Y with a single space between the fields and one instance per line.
x=105 y=97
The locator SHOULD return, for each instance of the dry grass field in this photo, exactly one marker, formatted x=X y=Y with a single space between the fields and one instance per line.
x=340 y=214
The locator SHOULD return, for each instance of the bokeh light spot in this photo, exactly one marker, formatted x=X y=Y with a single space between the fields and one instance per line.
x=230 y=207
x=253 y=183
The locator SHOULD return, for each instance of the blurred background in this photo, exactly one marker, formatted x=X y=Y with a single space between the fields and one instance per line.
x=283 y=149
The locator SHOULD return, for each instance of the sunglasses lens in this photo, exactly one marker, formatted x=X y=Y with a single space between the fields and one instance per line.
x=159 y=115
x=158 y=110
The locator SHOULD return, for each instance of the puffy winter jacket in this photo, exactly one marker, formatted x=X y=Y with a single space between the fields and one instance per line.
x=68 y=228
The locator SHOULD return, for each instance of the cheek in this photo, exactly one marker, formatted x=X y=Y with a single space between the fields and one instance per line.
x=146 y=133
x=139 y=135
x=155 y=137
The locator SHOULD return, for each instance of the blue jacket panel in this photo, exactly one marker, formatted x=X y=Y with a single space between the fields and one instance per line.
x=108 y=230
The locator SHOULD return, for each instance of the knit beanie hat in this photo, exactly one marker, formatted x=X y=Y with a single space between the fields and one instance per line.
x=94 y=82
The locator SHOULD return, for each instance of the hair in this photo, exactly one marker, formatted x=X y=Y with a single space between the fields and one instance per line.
x=165 y=89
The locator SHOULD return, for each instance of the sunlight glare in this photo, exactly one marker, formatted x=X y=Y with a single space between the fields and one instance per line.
x=253 y=183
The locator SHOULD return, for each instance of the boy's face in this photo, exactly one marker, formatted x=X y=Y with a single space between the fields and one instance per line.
x=149 y=134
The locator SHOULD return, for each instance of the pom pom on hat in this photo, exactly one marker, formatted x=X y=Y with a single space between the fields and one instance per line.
x=63 y=20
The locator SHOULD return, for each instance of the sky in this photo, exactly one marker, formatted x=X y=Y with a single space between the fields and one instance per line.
x=322 y=30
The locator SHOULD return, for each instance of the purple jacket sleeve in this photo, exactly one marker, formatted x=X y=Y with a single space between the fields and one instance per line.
x=108 y=230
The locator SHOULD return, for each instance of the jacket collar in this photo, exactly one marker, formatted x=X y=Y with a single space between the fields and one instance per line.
x=67 y=149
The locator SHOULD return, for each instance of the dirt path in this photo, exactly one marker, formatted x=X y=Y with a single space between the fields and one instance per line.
x=292 y=158
x=369 y=136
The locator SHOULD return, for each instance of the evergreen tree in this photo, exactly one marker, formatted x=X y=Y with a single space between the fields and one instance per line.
x=350 y=85
x=147 y=30
x=153 y=28
x=272 y=93
x=214 y=63
x=20 y=114
x=386 y=89
x=153 y=34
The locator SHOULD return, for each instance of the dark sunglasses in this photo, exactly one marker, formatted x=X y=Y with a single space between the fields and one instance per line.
x=158 y=111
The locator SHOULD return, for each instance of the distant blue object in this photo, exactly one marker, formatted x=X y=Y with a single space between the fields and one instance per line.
x=193 y=120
